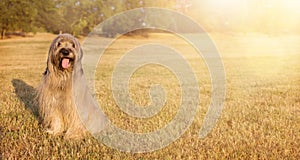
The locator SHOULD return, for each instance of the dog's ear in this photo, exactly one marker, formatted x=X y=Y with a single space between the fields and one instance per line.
x=80 y=53
x=52 y=48
x=79 y=49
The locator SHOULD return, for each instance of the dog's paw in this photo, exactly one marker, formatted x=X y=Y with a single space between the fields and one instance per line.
x=54 y=132
x=55 y=128
x=77 y=133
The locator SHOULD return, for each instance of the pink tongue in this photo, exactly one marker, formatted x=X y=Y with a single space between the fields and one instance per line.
x=65 y=63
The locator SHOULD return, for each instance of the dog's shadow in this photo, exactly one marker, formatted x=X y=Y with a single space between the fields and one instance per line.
x=26 y=94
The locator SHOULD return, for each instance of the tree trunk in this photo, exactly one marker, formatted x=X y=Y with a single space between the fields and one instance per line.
x=3 y=33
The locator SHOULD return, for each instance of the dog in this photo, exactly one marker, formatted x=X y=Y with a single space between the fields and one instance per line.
x=66 y=106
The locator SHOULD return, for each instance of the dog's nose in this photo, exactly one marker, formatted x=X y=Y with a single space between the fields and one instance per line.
x=64 y=51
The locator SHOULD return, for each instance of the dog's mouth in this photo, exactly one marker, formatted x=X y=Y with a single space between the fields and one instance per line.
x=66 y=63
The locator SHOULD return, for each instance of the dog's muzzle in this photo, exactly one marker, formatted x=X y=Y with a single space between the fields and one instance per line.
x=67 y=57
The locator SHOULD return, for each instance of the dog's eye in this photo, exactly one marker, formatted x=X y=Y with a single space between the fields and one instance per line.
x=58 y=44
x=73 y=45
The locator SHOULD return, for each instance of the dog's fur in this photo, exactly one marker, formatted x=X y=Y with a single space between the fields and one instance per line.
x=58 y=95
x=56 y=103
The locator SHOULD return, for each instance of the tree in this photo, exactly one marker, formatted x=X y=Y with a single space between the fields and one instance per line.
x=79 y=16
x=48 y=16
x=16 y=15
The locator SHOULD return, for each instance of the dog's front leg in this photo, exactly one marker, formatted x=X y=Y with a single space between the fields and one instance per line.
x=55 y=124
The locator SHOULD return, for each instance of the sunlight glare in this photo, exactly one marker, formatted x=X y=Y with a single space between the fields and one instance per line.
x=226 y=3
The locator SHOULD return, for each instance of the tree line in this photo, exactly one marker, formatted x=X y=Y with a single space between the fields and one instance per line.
x=81 y=16
x=72 y=16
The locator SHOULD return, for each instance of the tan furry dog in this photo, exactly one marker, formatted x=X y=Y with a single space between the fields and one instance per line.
x=65 y=104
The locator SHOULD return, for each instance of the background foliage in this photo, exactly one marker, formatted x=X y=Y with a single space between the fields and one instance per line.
x=80 y=16
x=72 y=16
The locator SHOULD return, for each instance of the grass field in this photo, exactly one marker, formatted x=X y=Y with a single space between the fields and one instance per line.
x=260 y=119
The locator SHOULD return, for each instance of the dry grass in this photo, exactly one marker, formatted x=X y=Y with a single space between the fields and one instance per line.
x=260 y=120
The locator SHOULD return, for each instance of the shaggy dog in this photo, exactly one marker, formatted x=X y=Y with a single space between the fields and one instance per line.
x=65 y=104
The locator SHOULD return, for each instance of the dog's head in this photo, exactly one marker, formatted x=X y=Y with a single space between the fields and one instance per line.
x=64 y=52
